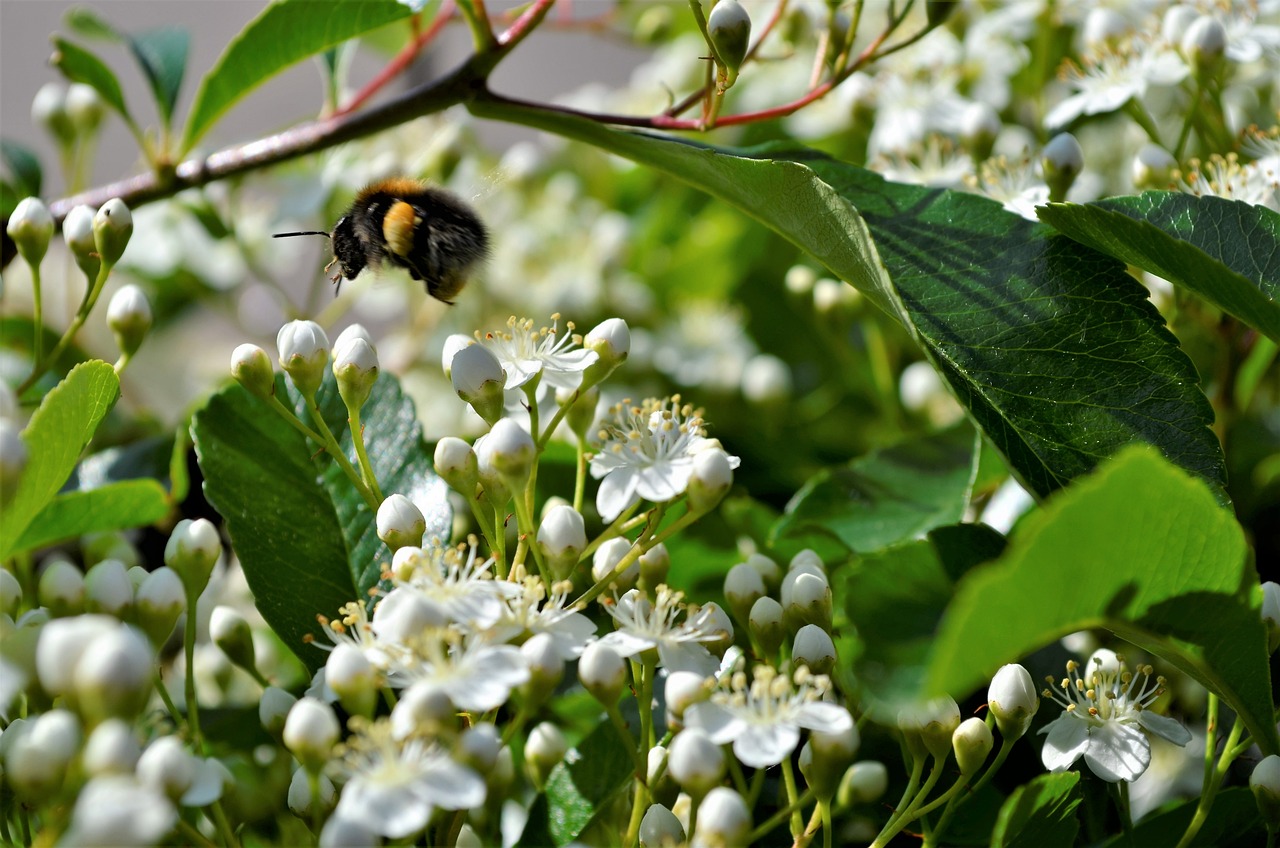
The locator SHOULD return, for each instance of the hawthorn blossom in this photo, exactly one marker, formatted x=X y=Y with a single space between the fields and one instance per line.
x=1105 y=712
x=463 y=586
x=677 y=631
x=1015 y=185
x=527 y=353
x=1112 y=78
x=647 y=451
x=476 y=675
x=533 y=610
x=763 y=717
x=393 y=786
x=1223 y=176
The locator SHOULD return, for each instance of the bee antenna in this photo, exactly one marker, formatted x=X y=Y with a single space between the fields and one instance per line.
x=307 y=233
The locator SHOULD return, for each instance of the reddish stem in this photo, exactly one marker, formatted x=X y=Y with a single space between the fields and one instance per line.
x=525 y=23
x=402 y=60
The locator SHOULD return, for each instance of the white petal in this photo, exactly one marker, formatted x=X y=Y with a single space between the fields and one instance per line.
x=665 y=480
x=1068 y=738
x=719 y=723
x=1165 y=727
x=823 y=717
x=626 y=644
x=394 y=811
x=617 y=493
x=687 y=656
x=1117 y=752
x=452 y=786
x=521 y=371
x=763 y=745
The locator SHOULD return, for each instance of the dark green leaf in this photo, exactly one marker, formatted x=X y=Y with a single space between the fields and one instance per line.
x=1052 y=347
x=590 y=774
x=55 y=437
x=1233 y=822
x=286 y=32
x=306 y=540
x=25 y=174
x=1139 y=548
x=1226 y=251
x=162 y=54
x=889 y=495
x=1040 y=814
x=79 y=65
x=117 y=506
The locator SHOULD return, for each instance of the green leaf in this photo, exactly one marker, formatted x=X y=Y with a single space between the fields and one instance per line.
x=145 y=458
x=578 y=787
x=79 y=65
x=305 y=538
x=1054 y=350
x=88 y=23
x=1040 y=814
x=118 y=506
x=162 y=53
x=24 y=168
x=1226 y=251
x=888 y=495
x=286 y=32
x=55 y=437
x=1233 y=822
x=1138 y=548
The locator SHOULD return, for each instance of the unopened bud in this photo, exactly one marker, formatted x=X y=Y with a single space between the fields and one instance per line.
x=545 y=748
x=1264 y=782
x=77 y=232
x=606 y=558
x=13 y=458
x=192 y=551
x=1013 y=700
x=723 y=819
x=310 y=732
x=1153 y=167
x=31 y=226
x=602 y=672
x=562 y=537
x=813 y=647
x=304 y=352
x=510 y=451
x=49 y=110
x=979 y=127
x=1061 y=162
x=232 y=634
x=158 y=602
x=273 y=709
x=660 y=828
x=971 y=742
x=85 y=108
x=1204 y=46
x=129 y=317
x=1271 y=614
x=863 y=783
x=112 y=227
x=729 y=27
x=695 y=762
x=765 y=625
x=611 y=342
x=61 y=588
x=479 y=380
x=400 y=523
x=353 y=679
x=806 y=599
x=582 y=415
x=355 y=367
x=655 y=564
x=456 y=464
x=108 y=588
x=112 y=748
x=546 y=667
x=743 y=586
x=113 y=676
x=683 y=689
x=300 y=796
x=710 y=480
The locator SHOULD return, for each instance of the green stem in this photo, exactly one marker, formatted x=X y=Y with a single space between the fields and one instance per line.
x=190 y=835
x=82 y=314
x=167 y=698
x=644 y=698
x=793 y=796
x=1142 y=118
x=580 y=480
x=897 y=822
x=779 y=817
x=189 y=681
x=224 y=824
x=956 y=799
x=357 y=439
x=1230 y=751
x=1121 y=790
x=628 y=741
x=339 y=456
x=37 y=341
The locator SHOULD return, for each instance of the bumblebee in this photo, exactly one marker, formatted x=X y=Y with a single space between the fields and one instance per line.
x=432 y=233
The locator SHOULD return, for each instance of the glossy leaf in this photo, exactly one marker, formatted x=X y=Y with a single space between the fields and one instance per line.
x=1052 y=348
x=1225 y=251
x=889 y=495
x=161 y=53
x=1233 y=822
x=79 y=65
x=286 y=32
x=1040 y=814
x=305 y=538
x=591 y=773
x=55 y=437
x=117 y=506
x=1138 y=548
x=23 y=167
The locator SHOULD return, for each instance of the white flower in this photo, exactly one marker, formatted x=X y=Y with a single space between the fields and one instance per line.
x=459 y=583
x=1226 y=177
x=119 y=810
x=1113 y=78
x=1104 y=716
x=676 y=630
x=534 y=610
x=475 y=675
x=525 y=353
x=394 y=786
x=1013 y=184
x=647 y=452
x=763 y=719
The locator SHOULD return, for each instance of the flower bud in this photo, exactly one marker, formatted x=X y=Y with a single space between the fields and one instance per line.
x=113 y=676
x=863 y=783
x=452 y=345
x=562 y=537
x=660 y=828
x=400 y=523
x=605 y=560
x=13 y=458
x=304 y=351
x=456 y=464
x=930 y=725
x=423 y=708
x=49 y=110
x=769 y=570
x=1013 y=700
x=979 y=127
x=354 y=331
x=1177 y=19
x=61 y=644
x=77 y=232
x=310 y=732
x=743 y=586
x=1204 y=46
x=31 y=226
x=729 y=27
x=491 y=483
x=831 y=753
x=1061 y=162
x=85 y=108
x=611 y=342
x=682 y=690
x=1270 y=613
x=765 y=625
x=1153 y=167
x=300 y=795
x=602 y=672
x=36 y=762
x=158 y=603
x=800 y=279
x=710 y=479
x=192 y=551
x=766 y=380
x=723 y=820
x=1264 y=782
x=112 y=227
x=544 y=749
x=129 y=317
x=479 y=380
x=716 y=620
x=695 y=762
x=168 y=767
x=971 y=742
x=273 y=709
x=509 y=450
x=479 y=747
x=60 y=588
x=252 y=369
x=112 y=748
x=355 y=367
x=814 y=648
x=231 y=633
x=1104 y=29
x=10 y=593
x=581 y=417
x=806 y=599
x=655 y=564
x=546 y=667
